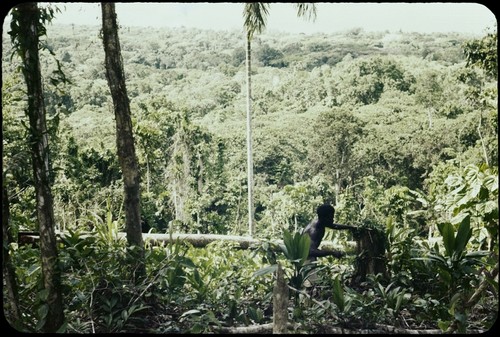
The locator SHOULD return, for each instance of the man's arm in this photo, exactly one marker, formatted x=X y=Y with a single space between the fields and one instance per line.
x=339 y=226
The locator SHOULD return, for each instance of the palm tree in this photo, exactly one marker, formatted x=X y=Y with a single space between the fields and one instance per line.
x=255 y=15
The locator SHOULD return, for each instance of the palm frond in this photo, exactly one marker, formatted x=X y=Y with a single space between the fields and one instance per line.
x=255 y=14
x=306 y=9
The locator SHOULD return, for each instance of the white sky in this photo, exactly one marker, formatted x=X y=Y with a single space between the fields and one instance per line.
x=473 y=18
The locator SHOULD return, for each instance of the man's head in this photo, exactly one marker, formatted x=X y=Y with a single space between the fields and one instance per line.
x=325 y=213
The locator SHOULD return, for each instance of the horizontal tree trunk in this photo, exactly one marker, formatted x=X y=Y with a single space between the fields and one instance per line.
x=197 y=240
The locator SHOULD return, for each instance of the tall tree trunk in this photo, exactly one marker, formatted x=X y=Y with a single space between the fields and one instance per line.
x=251 y=225
x=29 y=25
x=124 y=135
x=9 y=274
x=255 y=14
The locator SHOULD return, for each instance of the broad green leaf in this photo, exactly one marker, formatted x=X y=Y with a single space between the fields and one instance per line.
x=265 y=270
x=443 y=325
x=287 y=240
x=435 y=258
x=477 y=254
x=42 y=311
x=304 y=244
x=458 y=218
x=338 y=294
x=296 y=246
x=448 y=233
x=399 y=300
x=33 y=269
x=190 y=312
x=453 y=303
x=475 y=190
x=463 y=235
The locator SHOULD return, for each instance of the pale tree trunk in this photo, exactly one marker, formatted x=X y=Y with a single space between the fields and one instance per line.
x=124 y=135
x=9 y=273
x=485 y=153
x=280 y=303
x=148 y=174
x=255 y=14
x=29 y=44
x=251 y=225
x=337 y=185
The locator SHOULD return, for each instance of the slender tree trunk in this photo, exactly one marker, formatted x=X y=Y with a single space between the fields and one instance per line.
x=29 y=43
x=337 y=185
x=176 y=207
x=9 y=274
x=124 y=135
x=148 y=174
x=251 y=225
x=482 y=140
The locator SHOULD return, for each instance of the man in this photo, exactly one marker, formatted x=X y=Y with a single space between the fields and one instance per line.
x=316 y=231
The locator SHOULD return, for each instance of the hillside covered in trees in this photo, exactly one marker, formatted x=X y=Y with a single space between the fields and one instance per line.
x=328 y=110
x=398 y=130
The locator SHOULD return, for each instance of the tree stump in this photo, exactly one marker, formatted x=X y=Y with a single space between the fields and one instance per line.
x=370 y=249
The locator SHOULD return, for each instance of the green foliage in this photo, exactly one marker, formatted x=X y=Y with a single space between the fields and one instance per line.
x=483 y=53
x=101 y=291
x=366 y=79
x=470 y=191
x=391 y=147
x=337 y=132
x=295 y=248
x=457 y=269
x=293 y=206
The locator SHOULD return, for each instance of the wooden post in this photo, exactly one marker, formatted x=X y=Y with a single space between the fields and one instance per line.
x=280 y=303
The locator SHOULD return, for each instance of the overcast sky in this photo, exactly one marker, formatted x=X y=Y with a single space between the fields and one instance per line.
x=430 y=17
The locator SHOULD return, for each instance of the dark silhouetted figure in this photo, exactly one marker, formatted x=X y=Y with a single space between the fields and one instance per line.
x=316 y=231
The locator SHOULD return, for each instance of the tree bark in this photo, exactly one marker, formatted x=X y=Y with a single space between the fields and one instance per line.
x=8 y=268
x=371 y=255
x=280 y=303
x=251 y=225
x=29 y=25
x=124 y=135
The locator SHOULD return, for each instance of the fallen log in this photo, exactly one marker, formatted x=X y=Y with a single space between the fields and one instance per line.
x=199 y=240
x=244 y=242
x=196 y=240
